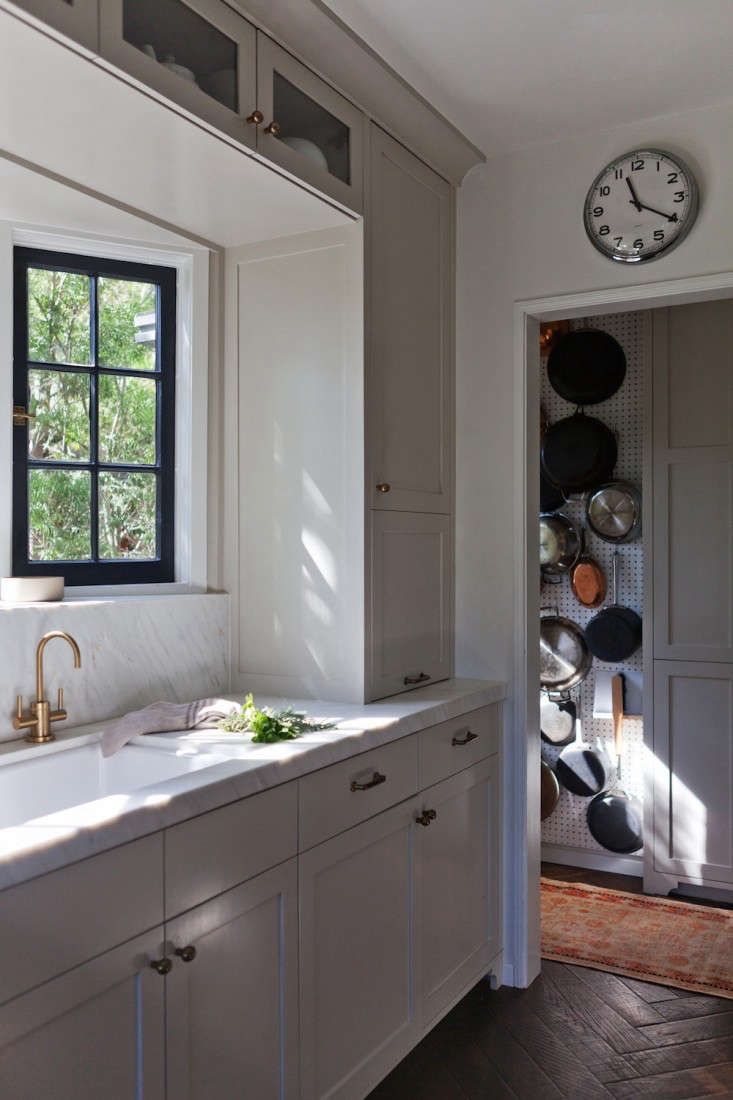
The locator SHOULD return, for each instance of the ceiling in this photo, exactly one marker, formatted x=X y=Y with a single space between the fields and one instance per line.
x=510 y=73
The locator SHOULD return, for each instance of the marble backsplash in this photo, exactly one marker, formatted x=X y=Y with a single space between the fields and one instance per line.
x=134 y=649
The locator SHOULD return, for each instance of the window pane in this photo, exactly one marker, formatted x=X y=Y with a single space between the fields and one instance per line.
x=58 y=317
x=127 y=509
x=185 y=43
x=60 y=403
x=59 y=515
x=311 y=130
x=127 y=336
x=126 y=419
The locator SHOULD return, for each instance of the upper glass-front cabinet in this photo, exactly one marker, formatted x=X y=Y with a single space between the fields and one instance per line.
x=308 y=128
x=199 y=53
x=77 y=19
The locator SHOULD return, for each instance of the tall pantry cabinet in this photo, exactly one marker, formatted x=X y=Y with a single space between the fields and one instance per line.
x=340 y=359
x=409 y=234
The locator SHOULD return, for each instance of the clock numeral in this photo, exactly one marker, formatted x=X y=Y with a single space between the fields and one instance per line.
x=679 y=196
x=672 y=177
x=658 y=234
x=597 y=211
x=619 y=174
x=637 y=165
x=605 y=190
x=618 y=241
x=604 y=230
x=638 y=243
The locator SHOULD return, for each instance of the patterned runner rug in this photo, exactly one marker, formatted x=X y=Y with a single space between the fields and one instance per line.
x=653 y=939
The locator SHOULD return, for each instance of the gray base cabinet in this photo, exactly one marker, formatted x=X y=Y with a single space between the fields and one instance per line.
x=94 y=1032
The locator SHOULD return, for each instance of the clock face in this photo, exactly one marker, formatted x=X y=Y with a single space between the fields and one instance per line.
x=640 y=206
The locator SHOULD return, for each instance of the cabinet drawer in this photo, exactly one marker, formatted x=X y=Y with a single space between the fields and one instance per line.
x=56 y=922
x=335 y=798
x=218 y=850
x=455 y=745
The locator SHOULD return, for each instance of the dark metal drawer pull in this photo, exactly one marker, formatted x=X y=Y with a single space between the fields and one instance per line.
x=416 y=679
x=464 y=740
x=426 y=817
x=188 y=953
x=376 y=779
x=161 y=966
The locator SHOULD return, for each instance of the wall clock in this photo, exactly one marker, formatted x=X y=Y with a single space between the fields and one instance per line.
x=641 y=205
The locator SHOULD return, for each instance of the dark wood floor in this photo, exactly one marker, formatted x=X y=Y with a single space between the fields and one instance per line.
x=575 y=1033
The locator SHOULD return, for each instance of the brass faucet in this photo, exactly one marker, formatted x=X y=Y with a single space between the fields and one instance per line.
x=38 y=722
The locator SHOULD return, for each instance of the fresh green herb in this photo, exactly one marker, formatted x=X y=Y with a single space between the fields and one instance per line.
x=269 y=725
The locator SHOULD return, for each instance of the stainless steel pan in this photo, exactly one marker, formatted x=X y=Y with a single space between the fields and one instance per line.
x=561 y=543
x=565 y=659
x=613 y=512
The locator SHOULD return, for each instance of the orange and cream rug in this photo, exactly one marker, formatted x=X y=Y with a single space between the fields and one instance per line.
x=653 y=939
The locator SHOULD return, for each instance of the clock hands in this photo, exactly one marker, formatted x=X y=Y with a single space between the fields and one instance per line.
x=635 y=201
x=642 y=206
x=635 y=198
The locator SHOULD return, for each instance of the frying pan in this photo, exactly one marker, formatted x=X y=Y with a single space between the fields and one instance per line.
x=581 y=768
x=614 y=818
x=588 y=581
x=549 y=791
x=557 y=720
x=565 y=659
x=613 y=512
x=578 y=453
x=615 y=632
x=560 y=543
x=587 y=366
x=551 y=497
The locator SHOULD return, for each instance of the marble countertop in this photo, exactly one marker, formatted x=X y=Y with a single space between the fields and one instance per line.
x=44 y=844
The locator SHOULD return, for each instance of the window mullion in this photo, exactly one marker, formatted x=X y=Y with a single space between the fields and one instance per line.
x=94 y=421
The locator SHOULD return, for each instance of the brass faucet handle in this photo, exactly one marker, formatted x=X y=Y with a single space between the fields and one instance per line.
x=20 y=720
x=59 y=715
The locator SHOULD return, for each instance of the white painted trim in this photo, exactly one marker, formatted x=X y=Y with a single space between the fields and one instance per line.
x=522 y=791
x=596 y=861
x=192 y=359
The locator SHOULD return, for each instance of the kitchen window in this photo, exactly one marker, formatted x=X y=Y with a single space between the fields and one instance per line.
x=94 y=418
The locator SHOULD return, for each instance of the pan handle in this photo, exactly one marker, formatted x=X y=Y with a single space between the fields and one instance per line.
x=614 y=577
x=544 y=611
x=617 y=708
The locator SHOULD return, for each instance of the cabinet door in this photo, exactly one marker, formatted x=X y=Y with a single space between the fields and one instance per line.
x=410 y=601
x=693 y=482
x=458 y=886
x=97 y=1031
x=308 y=128
x=232 y=1009
x=198 y=53
x=357 y=1012
x=77 y=19
x=693 y=764
x=409 y=266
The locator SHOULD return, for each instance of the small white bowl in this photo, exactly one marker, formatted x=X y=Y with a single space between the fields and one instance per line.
x=31 y=589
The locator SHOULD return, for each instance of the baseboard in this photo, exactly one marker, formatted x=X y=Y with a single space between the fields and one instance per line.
x=595 y=861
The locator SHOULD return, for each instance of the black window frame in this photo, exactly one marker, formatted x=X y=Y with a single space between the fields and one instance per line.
x=98 y=572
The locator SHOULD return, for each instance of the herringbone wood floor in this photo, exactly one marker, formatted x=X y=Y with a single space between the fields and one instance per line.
x=576 y=1034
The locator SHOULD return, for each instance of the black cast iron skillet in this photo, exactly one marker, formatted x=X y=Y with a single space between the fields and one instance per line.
x=615 y=632
x=587 y=366
x=579 y=452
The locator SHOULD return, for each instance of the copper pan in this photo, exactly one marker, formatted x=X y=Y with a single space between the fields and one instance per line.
x=588 y=581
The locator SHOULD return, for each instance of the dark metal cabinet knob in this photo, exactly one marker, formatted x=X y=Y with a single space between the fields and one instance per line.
x=273 y=128
x=255 y=118
x=420 y=679
x=426 y=817
x=188 y=954
x=383 y=487
x=161 y=966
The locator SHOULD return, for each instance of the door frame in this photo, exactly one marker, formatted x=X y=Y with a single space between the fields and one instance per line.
x=522 y=819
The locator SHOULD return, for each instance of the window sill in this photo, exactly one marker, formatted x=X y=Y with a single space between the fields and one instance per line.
x=84 y=596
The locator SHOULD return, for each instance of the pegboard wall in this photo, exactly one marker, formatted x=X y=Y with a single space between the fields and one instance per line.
x=624 y=413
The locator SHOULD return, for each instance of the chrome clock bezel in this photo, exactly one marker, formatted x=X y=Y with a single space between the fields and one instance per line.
x=664 y=249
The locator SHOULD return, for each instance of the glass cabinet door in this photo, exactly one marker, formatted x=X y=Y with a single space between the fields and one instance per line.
x=199 y=53
x=308 y=128
x=78 y=19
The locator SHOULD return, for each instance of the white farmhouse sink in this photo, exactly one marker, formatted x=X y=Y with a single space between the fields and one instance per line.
x=69 y=777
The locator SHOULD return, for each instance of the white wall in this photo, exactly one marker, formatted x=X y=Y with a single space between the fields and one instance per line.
x=521 y=235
